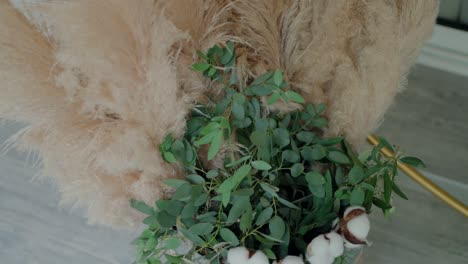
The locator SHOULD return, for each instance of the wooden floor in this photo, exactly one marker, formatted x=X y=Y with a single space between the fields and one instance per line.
x=430 y=119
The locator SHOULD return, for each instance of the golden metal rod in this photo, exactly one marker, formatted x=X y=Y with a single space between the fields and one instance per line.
x=422 y=180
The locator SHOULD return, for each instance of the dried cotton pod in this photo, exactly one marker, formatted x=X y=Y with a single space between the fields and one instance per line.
x=355 y=227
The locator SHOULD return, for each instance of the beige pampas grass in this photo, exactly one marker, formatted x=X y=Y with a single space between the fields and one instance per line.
x=100 y=83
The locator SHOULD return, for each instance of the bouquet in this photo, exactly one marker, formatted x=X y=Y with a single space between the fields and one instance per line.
x=262 y=182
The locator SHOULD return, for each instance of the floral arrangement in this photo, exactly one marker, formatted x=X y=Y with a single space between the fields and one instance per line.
x=261 y=183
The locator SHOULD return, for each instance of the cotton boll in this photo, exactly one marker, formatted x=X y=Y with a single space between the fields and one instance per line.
x=325 y=248
x=238 y=255
x=336 y=246
x=359 y=226
x=321 y=259
x=353 y=208
x=355 y=227
x=318 y=246
x=290 y=260
x=258 y=258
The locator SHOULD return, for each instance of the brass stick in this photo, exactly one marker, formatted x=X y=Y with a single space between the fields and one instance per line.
x=422 y=180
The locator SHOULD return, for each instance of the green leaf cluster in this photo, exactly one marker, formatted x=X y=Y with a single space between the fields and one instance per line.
x=281 y=183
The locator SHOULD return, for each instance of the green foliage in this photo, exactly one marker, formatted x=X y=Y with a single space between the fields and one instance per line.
x=281 y=185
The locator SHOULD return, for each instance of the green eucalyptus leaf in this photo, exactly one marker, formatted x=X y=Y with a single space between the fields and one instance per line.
x=234 y=79
x=261 y=124
x=259 y=138
x=226 y=198
x=244 y=192
x=169 y=157
x=278 y=77
x=306 y=153
x=245 y=222
x=211 y=72
x=399 y=192
x=330 y=141
x=172 y=243
x=246 y=122
x=388 y=186
x=338 y=157
x=367 y=186
x=277 y=227
x=295 y=97
x=339 y=176
x=321 y=108
x=206 y=138
x=272 y=239
x=201 y=229
x=281 y=137
x=172 y=207
x=215 y=145
x=287 y=203
x=269 y=253
x=212 y=174
x=261 y=90
x=385 y=143
x=319 y=122
x=274 y=98
x=241 y=173
x=151 y=220
x=229 y=236
x=173 y=259
x=202 y=55
x=142 y=207
x=146 y=234
x=413 y=161
x=188 y=211
x=290 y=156
x=381 y=204
x=192 y=237
x=237 y=162
x=239 y=98
x=306 y=136
x=318 y=152
x=183 y=192
x=195 y=179
x=201 y=66
x=227 y=57
x=151 y=243
x=261 y=165
x=174 y=183
x=357 y=196
x=200 y=199
x=356 y=174
x=178 y=149
x=166 y=220
x=262 y=78
x=272 y=190
x=315 y=178
x=297 y=169
x=239 y=206
x=238 y=110
x=317 y=190
x=264 y=216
